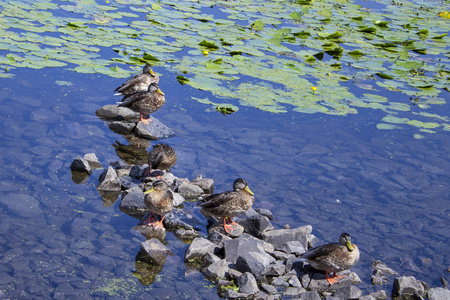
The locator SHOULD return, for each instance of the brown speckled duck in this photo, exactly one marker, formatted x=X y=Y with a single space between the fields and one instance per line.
x=161 y=157
x=159 y=200
x=145 y=102
x=334 y=257
x=229 y=204
x=138 y=83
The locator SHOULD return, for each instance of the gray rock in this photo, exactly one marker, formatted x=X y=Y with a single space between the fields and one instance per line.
x=206 y=184
x=293 y=281
x=232 y=294
x=381 y=266
x=217 y=270
x=185 y=235
x=189 y=191
x=218 y=238
x=268 y=288
x=197 y=249
x=153 y=131
x=254 y=262
x=379 y=295
x=114 y=112
x=275 y=269
x=236 y=247
x=293 y=291
x=407 y=286
x=348 y=292
x=293 y=247
x=310 y=295
x=133 y=204
x=281 y=255
x=237 y=230
x=210 y=258
x=155 y=251
x=234 y=274
x=279 y=238
x=365 y=297
x=138 y=171
x=247 y=284
x=149 y=232
x=109 y=181
x=438 y=294
x=122 y=127
x=177 y=199
x=263 y=296
x=128 y=182
x=378 y=277
x=319 y=280
x=92 y=159
x=81 y=165
x=265 y=212
x=180 y=218
x=254 y=224
x=280 y=281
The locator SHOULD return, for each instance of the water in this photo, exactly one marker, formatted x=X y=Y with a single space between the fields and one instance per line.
x=59 y=239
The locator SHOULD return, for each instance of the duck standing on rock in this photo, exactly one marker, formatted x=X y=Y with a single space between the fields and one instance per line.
x=333 y=257
x=159 y=200
x=229 y=204
x=145 y=102
x=162 y=157
x=138 y=83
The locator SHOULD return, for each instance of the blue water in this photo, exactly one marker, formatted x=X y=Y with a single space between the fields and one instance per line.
x=59 y=239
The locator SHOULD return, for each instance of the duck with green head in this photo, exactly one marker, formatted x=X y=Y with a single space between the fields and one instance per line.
x=333 y=257
x=229 y=204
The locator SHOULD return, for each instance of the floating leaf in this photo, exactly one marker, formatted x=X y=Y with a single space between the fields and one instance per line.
x=384 y=76
x=258 y=25
x=208 y=45
x=182 y=80
x=226 y=109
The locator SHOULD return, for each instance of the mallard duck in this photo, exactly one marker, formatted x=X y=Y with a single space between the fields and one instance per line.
x=161 y=157
x=159 y=200
x=138 y=83
x=229 y=204
x=334 y=257
x=145 y=102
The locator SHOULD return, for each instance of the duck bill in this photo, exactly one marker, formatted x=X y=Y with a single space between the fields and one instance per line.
x=149 y=191
x=159 y=91
x=247 y=189
x=152 y=73
x=349 y=245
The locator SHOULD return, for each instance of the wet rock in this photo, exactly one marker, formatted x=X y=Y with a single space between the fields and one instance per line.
x=265 y=212
x=254 y=262
x=122 y=127
x=280 y=255
x=189 y=191
x=438 y=293
x=293 y=291
x=133 y=204
x=185 y=235
x=206 y=184
x=254 y=223
x=137 y=171
x=365 y=297
x=128 y=182
x=293 y=247
x=310 y=295
x=223 y=285
x=81 y=165
x=114 y=112
x=197 y=249
x=109 y=181
x=279 y=238
x=155 y=251
x=247 y=284
x=378 y=277
x=407 y=286
x=177 y=199
x=153 y=131
x=237 y=230
x=217 y=270
x=348 y=292
x=381 y=266
x=179 y=219
x=268 y=288
x=235 y=247
x=319 y=281
x=232 y=294
x=210 y=258
x=149 y=232
x=275 y=269
x=218 y=238
x=379 y=295
x=92 y=160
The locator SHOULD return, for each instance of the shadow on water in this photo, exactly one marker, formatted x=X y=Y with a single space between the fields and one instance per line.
x=58 y=237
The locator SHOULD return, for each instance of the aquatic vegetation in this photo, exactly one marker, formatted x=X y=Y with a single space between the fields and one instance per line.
x=265 y=54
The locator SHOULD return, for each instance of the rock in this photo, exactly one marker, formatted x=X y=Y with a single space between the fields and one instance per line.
x=282 y=255
x=438 y=294
x=22 y=205
x=234 y=274
x=247 y=284
x=319 y=281
x=177 y=199
x=114 y=112
x=265 y=212
x=185 y=235
x=217 y=270
x=81 y=165
x=293 y=291
x=236 y=247
x=197 y=249
x=218 y=238
x=268 y=288
x=180 y=219
x=210 y=258
x=279 y=238
x=92 y=160
x=365 y=297
x=254 y=223
x=155 y=251
x=280 y=281
x=149 y=232
x=128 y=182
x=206 y=184
x=137 y=171
x=254 y=262
x=122 y=127
x=407 y=286
x=378 y=277
x=133 y=204
x=348 y=292
x=153 y=131
x=379 y=295
x=293 y=281
x=381 y=266
x=310 y=295
x=189 y=191
x=109 y=181
x=232 y=294
x=293 y=247
x=236 y=232
x=275 y=269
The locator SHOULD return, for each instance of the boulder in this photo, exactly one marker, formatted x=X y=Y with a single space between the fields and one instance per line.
x=348 y=292
x=81 y=165
x=217 y=270
x=206 y=184
x=115 y=112
x=155 y=251
x=153 y=131
x=279 y=238
x=198 y=249
x=133 y=204
x=407 y=286
x=109 y=181
x=311 y=295
x=438 y=293
x=236 y=247
x=92 y=160
x=189 y=190
x=254 y=223
x=247 y=284
x=122 y=127
x=254 y=262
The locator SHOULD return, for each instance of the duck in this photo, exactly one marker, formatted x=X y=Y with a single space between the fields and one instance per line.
x=228 y=204
x=161 y=157
x=333 y=257
x=159 y=200
x=138 y=83
x=145 y=102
